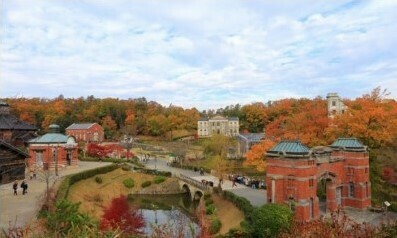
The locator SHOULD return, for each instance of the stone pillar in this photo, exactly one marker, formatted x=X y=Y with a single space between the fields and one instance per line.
x=331 y=197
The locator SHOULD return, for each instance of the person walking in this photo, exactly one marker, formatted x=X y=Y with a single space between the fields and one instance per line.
x=15 y=187
x=234 y=182
x=24 y=187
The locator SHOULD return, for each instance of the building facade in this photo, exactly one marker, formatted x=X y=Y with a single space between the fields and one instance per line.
x=52 y=151
x=86 y=132
x=247 y=140
x=296 y=174
x=335 y=105
x=228 y=126
x=12 y=163
x=13 y=130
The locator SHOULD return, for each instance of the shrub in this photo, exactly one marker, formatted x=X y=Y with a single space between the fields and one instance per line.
x=129 y=183
x=146 y=184
x=215 y=226
x=270 y=219
x=98 y=179
x=159 y=179
x=241 y=203
x=209 y=201
x=207 y=196
x=210 y=209
x=126 y=167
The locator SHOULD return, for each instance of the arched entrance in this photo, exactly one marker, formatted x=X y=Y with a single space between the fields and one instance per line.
x=326 y=192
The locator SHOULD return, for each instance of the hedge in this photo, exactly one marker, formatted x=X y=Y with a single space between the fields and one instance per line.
x=146 y=184
x=153 y=171
x=74 y=178
x=129 y=183
x=159 y=179
x=242 y=203
x=215 y=226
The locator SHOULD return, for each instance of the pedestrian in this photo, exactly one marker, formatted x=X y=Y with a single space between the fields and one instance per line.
x=24 y=187
x=201 y=171
x=15 y=187
x=234 y=183
x=31 y=174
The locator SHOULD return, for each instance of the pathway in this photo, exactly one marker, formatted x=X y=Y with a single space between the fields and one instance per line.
x=257 y=197
x=22 y=209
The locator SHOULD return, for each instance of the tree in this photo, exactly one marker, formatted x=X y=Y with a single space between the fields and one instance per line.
x=255 y=156
x=118 y=215
x=269 y=220
x=109 y=126
x=372 y=119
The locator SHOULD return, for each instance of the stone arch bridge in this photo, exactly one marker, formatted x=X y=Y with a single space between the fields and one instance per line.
x=195 y=188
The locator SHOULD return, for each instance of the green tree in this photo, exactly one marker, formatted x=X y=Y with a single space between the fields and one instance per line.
x=269 y=220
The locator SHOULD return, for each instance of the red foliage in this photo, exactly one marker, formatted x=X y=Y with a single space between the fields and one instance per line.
x=120 y=216
x=101 y=151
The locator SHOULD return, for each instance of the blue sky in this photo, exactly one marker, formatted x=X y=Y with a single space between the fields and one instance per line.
x=206 y=54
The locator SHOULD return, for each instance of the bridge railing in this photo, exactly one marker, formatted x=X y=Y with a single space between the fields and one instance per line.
x=193 y=182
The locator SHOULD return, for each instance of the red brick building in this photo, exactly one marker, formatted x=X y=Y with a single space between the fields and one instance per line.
x=296 y=176
x=86 y=132
x=54 y=151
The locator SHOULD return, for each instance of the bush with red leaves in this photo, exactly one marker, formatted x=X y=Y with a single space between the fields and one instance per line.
x=120 y=216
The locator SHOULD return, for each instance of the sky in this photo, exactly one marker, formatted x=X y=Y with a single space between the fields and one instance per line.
x=203 y=54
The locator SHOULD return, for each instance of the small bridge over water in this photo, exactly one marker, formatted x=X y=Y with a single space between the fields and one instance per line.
x=195 y=188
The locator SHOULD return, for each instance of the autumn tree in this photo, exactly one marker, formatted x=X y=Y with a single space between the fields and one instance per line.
x=371 y=118
x=109 y=126
x=256 y=155
x=119 y=215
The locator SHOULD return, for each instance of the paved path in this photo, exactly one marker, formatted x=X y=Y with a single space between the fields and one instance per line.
x=22 y=209
x=257 y=197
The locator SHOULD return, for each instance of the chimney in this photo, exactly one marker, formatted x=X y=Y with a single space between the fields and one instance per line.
x=53 y=128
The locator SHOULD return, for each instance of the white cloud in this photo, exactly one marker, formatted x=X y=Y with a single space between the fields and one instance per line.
x=197 y=53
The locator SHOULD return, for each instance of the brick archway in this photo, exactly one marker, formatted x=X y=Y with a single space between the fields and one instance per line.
x=293 y=172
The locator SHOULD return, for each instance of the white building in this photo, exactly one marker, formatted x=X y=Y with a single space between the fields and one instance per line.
x=228 y=126
x=335 y=105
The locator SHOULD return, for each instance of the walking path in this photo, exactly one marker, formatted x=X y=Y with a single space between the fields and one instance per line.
x=257 y=197
x=22 y=209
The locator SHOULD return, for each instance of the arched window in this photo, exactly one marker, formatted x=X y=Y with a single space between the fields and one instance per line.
x=351 y=189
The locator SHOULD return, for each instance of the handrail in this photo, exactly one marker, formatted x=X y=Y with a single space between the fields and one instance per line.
x=193 y=182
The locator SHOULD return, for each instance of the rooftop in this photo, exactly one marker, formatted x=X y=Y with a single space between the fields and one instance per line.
x=289 y=147
x=79 y=126
x=348 y=143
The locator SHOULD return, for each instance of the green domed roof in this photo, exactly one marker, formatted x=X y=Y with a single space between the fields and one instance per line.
x=289 y=148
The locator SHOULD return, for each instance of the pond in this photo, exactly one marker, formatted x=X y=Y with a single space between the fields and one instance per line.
x=171 y=213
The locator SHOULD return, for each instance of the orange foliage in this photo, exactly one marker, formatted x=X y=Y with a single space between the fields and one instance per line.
x=255 y=156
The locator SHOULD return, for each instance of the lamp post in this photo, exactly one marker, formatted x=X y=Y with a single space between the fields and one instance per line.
x=56 y=160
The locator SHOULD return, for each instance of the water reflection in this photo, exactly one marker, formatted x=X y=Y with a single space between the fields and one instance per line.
x=174 y=214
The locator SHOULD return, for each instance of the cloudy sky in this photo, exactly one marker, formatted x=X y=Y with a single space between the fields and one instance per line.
x=206 y=54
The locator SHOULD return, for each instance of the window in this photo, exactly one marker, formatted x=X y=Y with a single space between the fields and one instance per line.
x=311 y=182
x=351 y=189
x=366 y=189
x=333 y=103
x=350 y=171
x=39 y=158
x=366 y=170
x=290 y=182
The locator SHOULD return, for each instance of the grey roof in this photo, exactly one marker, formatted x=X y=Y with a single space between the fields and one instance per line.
x=233 y=118
x=252 y=137
x=3 y=103
x=79 y=126
x=348 y=143
x=13 y=148
x=11 y=122
x=49 y=138
x=290 y=147
x=203 y=119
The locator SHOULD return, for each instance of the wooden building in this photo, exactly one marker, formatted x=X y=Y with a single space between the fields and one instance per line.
x=12 y=163
x=13 y=130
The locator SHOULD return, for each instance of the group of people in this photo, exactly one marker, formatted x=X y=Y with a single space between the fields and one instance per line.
x=250 y=182
x=24 y=187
